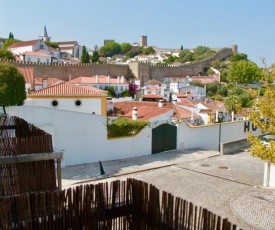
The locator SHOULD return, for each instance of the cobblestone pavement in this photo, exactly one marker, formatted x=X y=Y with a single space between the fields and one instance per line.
x=228 y=185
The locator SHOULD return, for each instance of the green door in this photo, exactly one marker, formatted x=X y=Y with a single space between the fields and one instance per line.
x=164 y=138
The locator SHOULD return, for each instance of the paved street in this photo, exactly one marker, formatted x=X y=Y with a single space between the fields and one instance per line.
x=228 y=185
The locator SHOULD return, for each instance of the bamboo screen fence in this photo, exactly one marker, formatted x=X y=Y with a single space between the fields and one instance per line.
x=19 y=138
x=130 y=204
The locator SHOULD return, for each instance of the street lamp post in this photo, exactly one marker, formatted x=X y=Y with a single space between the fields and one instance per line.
x=219 y=120
x=220 y=126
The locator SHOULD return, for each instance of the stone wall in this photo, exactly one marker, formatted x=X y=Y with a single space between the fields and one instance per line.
x=143 y=71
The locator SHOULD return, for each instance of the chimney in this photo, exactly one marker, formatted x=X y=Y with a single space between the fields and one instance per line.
x=135 y=114
x=118 y=79
x=108 y=78
x=44 y=83
x=122 y=79
x=96 y=78
x=161 y=103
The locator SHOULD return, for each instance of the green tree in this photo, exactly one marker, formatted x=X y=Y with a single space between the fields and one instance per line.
x=181 y=48
x=110 y=49
x=263 y=116
x=125 y=93
x=170 y=59
x=85 y=58
x=202 y=52
x=9 y=42
x=125 y=47
x=12 y=86
x=111 y=92
x=232 y=104
x=238 y=57
x=52 y=44
x=244 y=72
x=5 y=54
x=186 y=56
x=95 y=57
x=148 y=50
x=11 y=35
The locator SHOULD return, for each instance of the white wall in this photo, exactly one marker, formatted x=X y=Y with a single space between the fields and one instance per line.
x=89 y=105
x=207 y=137
x=82 y=136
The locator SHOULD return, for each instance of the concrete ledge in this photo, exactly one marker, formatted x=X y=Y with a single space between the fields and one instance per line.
x=230 y=147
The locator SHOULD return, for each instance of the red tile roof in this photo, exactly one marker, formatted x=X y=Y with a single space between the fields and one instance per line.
x=147 y=113
x=102 y=79
x=187 y=102
x=153 y=87
x=27 y=73
x=40 y=54
x=182 y=113
x=22 y=44
x=153 y=82
x=68 y=42
x=67 y=89
x=51 y=80
x=127 y=106
x=155 y=96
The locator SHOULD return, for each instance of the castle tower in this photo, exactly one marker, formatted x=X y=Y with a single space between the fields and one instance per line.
x=235 y=49
x=143 y=40
x=45 y=36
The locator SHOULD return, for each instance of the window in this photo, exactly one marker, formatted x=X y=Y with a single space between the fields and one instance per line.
x=100 y=87
x=115 y=88
x=121 y=88
x=38 y=59
x=29 y=59
x=54 y=103
x=41 y=46
x=48 y=60
x=78 y=103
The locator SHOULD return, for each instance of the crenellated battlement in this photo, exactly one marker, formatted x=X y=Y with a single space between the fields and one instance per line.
x=142 y=70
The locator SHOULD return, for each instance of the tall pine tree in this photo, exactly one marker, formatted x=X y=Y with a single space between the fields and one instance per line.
x=85 y=58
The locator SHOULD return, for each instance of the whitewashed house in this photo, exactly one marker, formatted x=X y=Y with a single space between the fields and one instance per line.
x=102 y=82
x=66 y=96
x=34 y=51
x=176 y=85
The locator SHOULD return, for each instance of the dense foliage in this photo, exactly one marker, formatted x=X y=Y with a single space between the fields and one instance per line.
x=5 y=54
x=124 y=127
x=244 y=72
x=85 y=57
x=263 y=116
x=52 y=44
x=12 y=86
x=110 y=49
x=9 y=42
x=95 y=57
x=125 y=47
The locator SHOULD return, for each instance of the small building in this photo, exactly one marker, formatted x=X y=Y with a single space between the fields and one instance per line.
x=102 y=82
x=67 y=96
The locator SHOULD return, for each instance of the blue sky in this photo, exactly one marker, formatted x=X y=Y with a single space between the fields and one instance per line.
x=167 y=24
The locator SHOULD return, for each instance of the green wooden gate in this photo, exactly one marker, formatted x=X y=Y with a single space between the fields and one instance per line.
x=164 y=138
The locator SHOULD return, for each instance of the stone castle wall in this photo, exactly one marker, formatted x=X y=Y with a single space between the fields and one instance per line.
x=143 y=71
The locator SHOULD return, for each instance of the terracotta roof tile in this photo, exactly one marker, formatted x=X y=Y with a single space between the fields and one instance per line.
x=67 y=89
x=127 y=106
x=153 y=82
x=156 y=96
x=27 y=73
x=102 y=79
x=51 y=80
x=41 y=54
x=182 y=113
x=22 y=44
x=147 y=113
